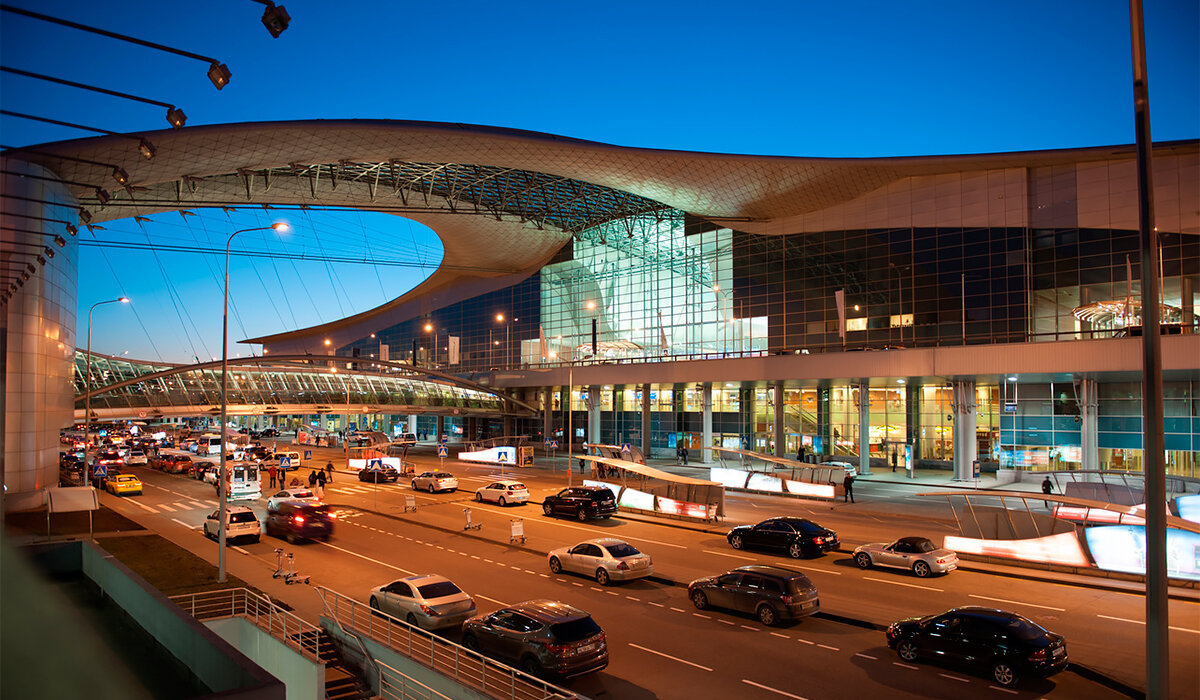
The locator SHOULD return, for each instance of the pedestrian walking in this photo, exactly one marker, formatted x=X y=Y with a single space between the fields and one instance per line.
x=312 y=479
x=679 y=454
x=893 y=460
x=848 y=484
x=273 y=472
x=800 y=453
x=329 y=472
x=1047 y=486
x=321 y=484
x=683 y=451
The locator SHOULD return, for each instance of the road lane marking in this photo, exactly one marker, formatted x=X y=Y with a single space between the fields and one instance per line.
x=576 y=583
x=791 y=565
x=657 y=605
x=1140 y=622
x=576 y=527
x=190 y=527
x=597 y=589
x=727 y=622
x=1003 y=690
x=490 y=600
x=194 y=504
x=361 y=556
x=474 y=556
x=612 y=593
x=706 y=617
x=727 y=554
x=866 y=656
x=544 y=575
x=679 y=610
x=166 y=507
x=239 y=549
x=668 y=656
x=826 y=646
x=805 y=641
x=748 y=627
x=776 y=634
x=1016 y=602
x=773 y=690
x=629 y=597
x=909 y=666
x=954 y=678
x=906 y=585
x=152 y=509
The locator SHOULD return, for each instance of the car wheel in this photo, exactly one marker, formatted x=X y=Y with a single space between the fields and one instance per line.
x=324 y=538
x=766 y=615
x=479 y=498
x=1003 y=673
x=503 y=502
x=921 y=569
x=256 y=540
x=602 y=577
x=531 y=666
x=699 y=600
x=374 y=603
x=581 y=515
x=555 y=565
x=907 y=650
x=547 y=509
x=412 y=620
x=291 y=538
x=863 y=560
x=470 y=642
x=795 y=551
x=414 y=485
x=736 y=542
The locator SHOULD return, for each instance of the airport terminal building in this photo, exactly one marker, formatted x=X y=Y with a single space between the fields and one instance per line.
x=944 y=308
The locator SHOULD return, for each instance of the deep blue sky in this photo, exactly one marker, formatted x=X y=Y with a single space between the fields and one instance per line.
x=806 y=79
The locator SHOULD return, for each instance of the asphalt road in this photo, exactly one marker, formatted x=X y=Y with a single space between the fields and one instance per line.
x=660 y=645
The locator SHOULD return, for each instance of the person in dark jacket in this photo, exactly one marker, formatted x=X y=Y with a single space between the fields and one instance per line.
x=329 y=472
x=848 y=484
x=1047 y=486
x=312 y=479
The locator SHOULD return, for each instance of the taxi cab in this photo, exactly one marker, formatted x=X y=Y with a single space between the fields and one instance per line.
x=124 y=485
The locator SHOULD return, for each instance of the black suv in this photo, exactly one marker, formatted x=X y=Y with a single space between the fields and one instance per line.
x=798 y=537
x=379 y=475
x=1005 y=644
x=300 y=521
x=772 y=593
x=542 y=637
x=582 y=502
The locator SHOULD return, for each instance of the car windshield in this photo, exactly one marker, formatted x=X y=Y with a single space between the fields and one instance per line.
x=242 y=518
x=443 y=475
x=440 y=589
x=1022 y=629
x=516 y=487
x=575 y=630
x=799 y=584
x=301 y=494
x=621 y=550
x=602 y=495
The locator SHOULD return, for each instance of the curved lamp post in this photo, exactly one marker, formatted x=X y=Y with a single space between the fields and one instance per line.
x=221 y=477
x=87 y=389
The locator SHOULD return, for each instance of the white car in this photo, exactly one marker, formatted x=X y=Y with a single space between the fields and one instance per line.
x=434 y=481
x=427 y=601
x=606 y=559
x=295 y=495
x=917 y=554
x=504 y=492
x=240 y=522
x=850 y=468
x=136 y=457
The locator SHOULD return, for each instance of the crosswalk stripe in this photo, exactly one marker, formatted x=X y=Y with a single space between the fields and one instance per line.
x=166 y=507
x=152 y=509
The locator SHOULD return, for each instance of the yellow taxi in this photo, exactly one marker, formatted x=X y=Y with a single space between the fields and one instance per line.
x=124 y=485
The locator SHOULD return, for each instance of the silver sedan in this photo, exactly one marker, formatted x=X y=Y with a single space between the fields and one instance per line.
x=606 y=559
x=428 y=601
x=917 y=554
x=434 y=481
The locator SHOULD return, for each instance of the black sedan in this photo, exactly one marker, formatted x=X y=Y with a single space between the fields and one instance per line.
x=581 y=502
x=798 y=537
x=379 y=475
x=1004 y=644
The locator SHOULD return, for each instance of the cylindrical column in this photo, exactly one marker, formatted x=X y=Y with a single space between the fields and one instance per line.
x=964 y=429
x=864 y=429
x=646 y=421
x=706 y=453
x=593 y=409
x=780 y=437
x=1089 y=437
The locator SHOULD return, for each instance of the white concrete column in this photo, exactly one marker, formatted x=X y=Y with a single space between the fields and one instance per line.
x=706 y=453
x=1089 y=438
x=864 y=429
x=548 y=413
x=593 y=409
x=412 y=424
x=646 y=406
x=780 y=435
x=964 y=429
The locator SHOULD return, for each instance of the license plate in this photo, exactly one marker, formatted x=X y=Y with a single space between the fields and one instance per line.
x=1059 y=651
x=585 y=648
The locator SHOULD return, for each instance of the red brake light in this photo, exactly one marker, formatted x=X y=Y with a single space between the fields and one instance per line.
x=819 y=540
x=622 y=566
x=1039 y=655
x=787 y=600
x=299 y=519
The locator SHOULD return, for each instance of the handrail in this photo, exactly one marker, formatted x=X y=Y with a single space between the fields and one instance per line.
x=266 y=615
x=464 y=666
x=394 y=685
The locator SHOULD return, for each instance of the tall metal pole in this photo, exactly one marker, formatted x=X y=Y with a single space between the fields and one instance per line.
x=1157 y=642
x=221 y=477
x=570 y=417
x=87 y=386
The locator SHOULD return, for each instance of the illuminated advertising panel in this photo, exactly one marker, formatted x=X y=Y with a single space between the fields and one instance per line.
x=729 y=478
x=764 y=482
x=615 y=488
x=632 y=498
x=1063 y=548
x=495 y=455
x=1189 y=507
x=803 y=488
x=1096 y=515
x=691 y=510
x=1123 y=548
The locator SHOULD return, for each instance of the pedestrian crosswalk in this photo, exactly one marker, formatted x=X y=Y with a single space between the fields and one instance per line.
x=175 y=507
x=357 y=489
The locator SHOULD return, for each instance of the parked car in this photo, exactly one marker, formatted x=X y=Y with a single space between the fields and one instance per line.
x=917 y=554
x=379 y=475
x=407 y=439
x=1005 y=645
x=541 y=637
x=772 y=593
x=848 y=467
x=123 y=485
x=196 y=471
x=799 y=537
x=136 y=457
x=259 y=452
x=301 y=495
x=211 y=473
x=582 y=502
x=503 y=492
x=108 y=458
x=606 y=559
x=434 y=481
x=240 y=523
x=428 y=601
x=269 y=432
x=295 y=521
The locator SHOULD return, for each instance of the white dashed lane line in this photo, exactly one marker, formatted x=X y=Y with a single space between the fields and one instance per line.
x=490 y=600
x=239 y=549
x=777 y=691
x=668 y=656
x=152 y=509
x=727 y=622
x=906 y=585
x=867 y=656
x=360 y=556
x=954 y=678
x=826 y=646
x=190 y=527
x=657 y=605
x=679 y=610
x=1015 y=602
x=776 y=634
x=727 y=554
x=908 y=666
x=1142 y=622
x=805 y=641
x=1003 y=690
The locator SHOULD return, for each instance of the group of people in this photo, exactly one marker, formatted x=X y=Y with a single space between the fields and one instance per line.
x=317 y=478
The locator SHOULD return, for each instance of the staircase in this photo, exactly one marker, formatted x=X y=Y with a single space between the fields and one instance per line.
x=342 y=681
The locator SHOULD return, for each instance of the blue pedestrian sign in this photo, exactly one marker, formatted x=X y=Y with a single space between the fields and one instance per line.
x=442 y=451
x=625 y=447
x=375 y=463
x=100 y=471
x=308 y=454
x=285 y=462
x=445 y=437
x=975 y=468
x=554 y=444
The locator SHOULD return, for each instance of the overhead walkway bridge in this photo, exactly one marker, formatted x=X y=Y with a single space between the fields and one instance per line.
x=280 y=385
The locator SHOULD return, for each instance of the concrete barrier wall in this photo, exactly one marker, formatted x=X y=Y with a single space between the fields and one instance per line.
x=304 y=678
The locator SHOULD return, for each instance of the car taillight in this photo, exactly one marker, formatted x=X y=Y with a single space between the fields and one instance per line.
x=557 y=648
x=428 y=610
x=1040 y=655
x=819 y=540
x=787 y=600
x=622 y=566
x=942 y=560
x=299 y=519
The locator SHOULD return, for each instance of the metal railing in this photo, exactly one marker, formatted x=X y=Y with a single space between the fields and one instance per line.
x=394 y=685
x=298 y=634
x=466 y=667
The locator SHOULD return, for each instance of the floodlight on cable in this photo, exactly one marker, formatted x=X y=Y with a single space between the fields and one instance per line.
x=147 y=149
x=42 y=259
x=85 y=216
x=219 y=74
x=176 y=118
x=71 y=230
x=49 y=252
x=120 y=175
x=103 y=196
x=60 y=241
x=275 y=18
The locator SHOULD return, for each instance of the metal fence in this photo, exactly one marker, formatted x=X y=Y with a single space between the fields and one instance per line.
x=467 y=667
x=394 y=685
x=239 y=602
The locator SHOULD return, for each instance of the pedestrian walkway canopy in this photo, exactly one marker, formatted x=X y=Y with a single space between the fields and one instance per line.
x=660 y=483
x=279 y=385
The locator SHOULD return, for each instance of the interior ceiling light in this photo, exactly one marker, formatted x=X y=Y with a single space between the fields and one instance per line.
x=60 y=241
x=219 y=74
x=275 y=18
x=176 y=118
x=146 y=149
x=103 y=196
x=120 y=176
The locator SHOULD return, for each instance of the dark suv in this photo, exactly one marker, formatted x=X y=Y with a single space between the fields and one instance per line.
x=300 y=521
x=386 y=474
x=582 y=502
x=1005 y=644
x=773 y=593
x=796 y=536
x=542 y=637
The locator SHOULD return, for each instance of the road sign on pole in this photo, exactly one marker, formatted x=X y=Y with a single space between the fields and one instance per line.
x=285 y=463
x=308 y=454
x=442 y=451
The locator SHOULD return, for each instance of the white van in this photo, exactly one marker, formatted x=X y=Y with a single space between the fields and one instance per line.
x=292 y=457
x=208 y=444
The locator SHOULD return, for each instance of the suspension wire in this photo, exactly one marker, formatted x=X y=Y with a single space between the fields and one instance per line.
x=367 y=244
x=217 y=278
x=172 y=293
x=333 y=285
x=132 y=308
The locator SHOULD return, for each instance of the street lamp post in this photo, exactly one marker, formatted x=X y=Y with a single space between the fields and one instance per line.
x=87 y=389
x=221 y=476
x=507 y=340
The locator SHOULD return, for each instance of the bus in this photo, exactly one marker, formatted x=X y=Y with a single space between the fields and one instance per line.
x=241 y=482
